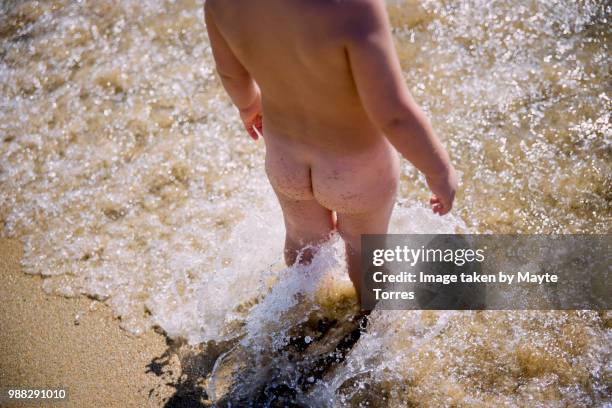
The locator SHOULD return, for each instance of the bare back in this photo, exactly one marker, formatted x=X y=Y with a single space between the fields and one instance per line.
x=294 y=50
x=326 y=79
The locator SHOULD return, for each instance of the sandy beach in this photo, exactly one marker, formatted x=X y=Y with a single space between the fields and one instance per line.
x=142 y=264
x=95 y=361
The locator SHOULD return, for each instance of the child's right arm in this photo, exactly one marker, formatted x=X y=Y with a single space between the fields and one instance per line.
x=236 y=80
x=378 y=77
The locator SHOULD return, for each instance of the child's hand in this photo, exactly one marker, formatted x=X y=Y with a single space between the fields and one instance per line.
x=252 y=119
x=443 y=188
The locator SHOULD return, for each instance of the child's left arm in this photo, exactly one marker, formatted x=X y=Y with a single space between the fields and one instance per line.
x=236 y=80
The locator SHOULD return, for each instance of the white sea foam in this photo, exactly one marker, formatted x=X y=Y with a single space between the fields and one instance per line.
x=124 y=170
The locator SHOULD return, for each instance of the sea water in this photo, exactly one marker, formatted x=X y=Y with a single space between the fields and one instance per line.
x=125 y=171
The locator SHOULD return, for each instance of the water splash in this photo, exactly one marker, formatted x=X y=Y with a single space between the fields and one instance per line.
x=125 y=171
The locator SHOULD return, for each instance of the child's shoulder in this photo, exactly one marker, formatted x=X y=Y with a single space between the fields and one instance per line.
x=350 y=19
x=338 y=11
x=356 y=18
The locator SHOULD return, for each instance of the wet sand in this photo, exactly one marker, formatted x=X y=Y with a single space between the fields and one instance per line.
x=97 y=362
x=124 y=165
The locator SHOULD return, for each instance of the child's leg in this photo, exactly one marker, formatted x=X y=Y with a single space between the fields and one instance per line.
x=307 y=223
x=352 y=226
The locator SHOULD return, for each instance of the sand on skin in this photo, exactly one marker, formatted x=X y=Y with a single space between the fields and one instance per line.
x=41 y=346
